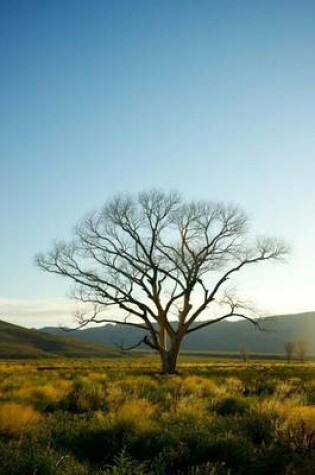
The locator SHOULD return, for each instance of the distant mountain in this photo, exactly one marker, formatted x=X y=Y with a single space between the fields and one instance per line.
x=18 y=342
x=223 y=336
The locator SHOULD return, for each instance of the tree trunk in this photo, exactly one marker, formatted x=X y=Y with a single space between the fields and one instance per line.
x=169 y=356
x=169 y=361
x=162 y=338
x=169 y=350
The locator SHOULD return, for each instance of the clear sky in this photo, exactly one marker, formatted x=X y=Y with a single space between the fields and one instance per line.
x=213 y=98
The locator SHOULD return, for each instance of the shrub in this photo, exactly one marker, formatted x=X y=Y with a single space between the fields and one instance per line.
x=209 y=468
x=84 y=437
x=199 y=387
x=231 y=406
x=233 y=451
x=148 y=446
x=260 y=387
x=190 y=407
x=125 y=465
x=259 y=427
x=136 y=413
x=45 y=397
x=85 y=396
x=16 y=419
x=33 y=458
x=234 y=385
x=298 y=429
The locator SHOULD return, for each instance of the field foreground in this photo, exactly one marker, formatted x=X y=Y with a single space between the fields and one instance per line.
x=121 y=417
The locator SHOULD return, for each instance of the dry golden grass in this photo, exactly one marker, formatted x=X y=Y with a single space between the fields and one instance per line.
x=305 y=414
x=199 y=386
x=253 y=407
x=97 y=377
x=190 y=407
x=17 y=419
x=52 y=393
x=137 y=413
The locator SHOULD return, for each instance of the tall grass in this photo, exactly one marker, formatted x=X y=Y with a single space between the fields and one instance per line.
x=18 y=419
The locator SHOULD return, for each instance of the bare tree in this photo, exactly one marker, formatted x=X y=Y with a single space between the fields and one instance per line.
x=244 y=353
x=289 y=347
x=302 y=348
x=160 y=263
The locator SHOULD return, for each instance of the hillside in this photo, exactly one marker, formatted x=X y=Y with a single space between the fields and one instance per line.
x=18 y=342
x=222 y=336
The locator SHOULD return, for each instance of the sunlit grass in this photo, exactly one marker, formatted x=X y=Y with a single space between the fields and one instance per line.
x=214 y=414
x=17 y=419
x=137 y=414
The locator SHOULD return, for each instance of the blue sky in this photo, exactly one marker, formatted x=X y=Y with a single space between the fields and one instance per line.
x=213 y=98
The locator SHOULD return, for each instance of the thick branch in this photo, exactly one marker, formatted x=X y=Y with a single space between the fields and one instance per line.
x=223 y=317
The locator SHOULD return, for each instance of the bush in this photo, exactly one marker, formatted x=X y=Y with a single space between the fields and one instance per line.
x=17 y=419
x=231 y=406
x=97 y=446
x=137 y=413
x=85 y=396
x=125 y=465
x=259 y=427
x=30 y=458
x=260 y=387
x=233 y=451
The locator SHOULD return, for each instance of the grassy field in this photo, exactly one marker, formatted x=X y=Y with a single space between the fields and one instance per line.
x=121 y=417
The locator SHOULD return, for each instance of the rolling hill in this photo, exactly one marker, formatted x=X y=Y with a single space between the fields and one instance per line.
x=224 y=336
x=19 y=342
